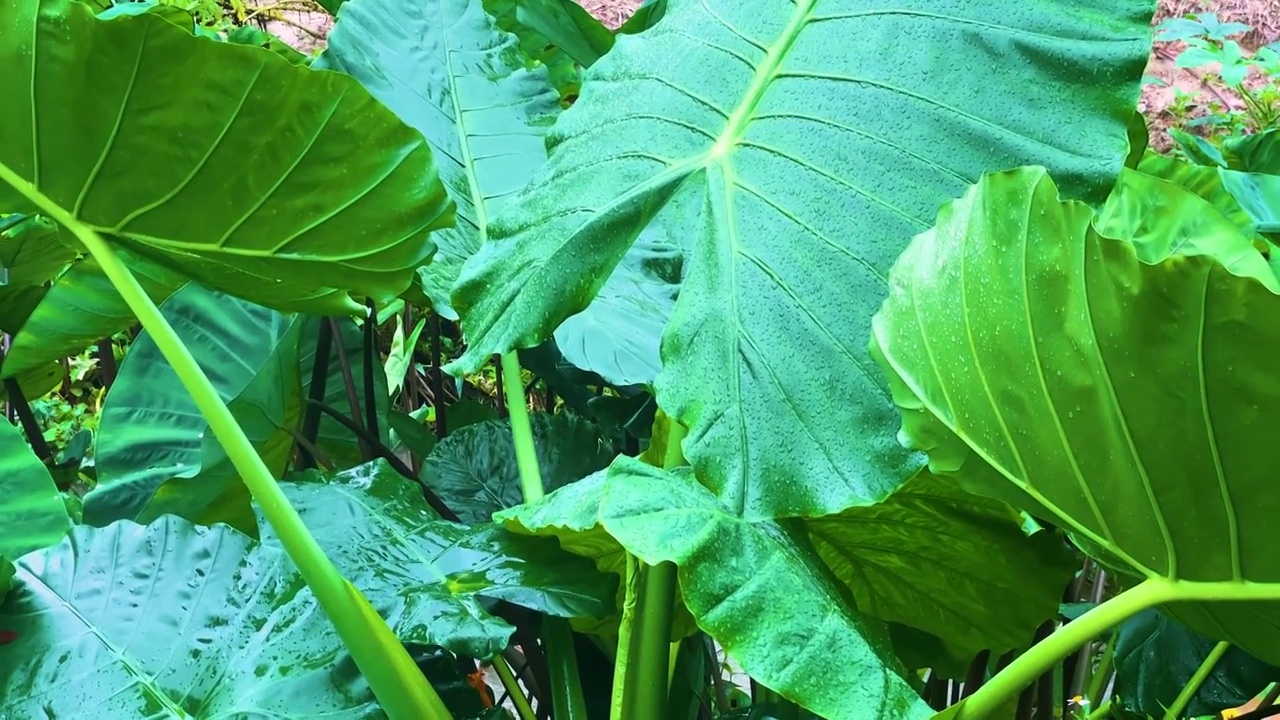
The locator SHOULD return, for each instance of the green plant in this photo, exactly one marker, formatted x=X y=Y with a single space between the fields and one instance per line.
x=679 y=240
x=1208 y=43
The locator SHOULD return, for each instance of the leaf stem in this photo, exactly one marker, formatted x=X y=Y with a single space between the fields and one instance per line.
x=567 y=700
x=1197 y=679
x=521 y=430
x=508 y=678
x=1042 y=656
x=391 y=673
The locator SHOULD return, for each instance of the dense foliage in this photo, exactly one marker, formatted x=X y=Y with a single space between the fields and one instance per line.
x=868 y=350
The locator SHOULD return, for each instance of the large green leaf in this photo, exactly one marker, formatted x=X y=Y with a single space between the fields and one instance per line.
x=760 y=590
x=447 y=71
x=32 y=512
x=923 y=558
x=435 y=576
x=80 y=308
x=1121 y=392
x=796 y=147
x=1202 y=180
x=151 y=431
x=171 y=620
x=1155 y=658
x=272 y=182
x=1256 y=153
x=618 y=335
x=474 y=469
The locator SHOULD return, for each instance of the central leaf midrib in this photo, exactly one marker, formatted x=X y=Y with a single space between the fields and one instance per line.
x=464 y=147
x=764 y=76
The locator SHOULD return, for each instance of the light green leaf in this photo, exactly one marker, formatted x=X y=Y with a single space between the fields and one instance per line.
x=1256 y=153
x=264 y=180
x=778 y=148
x=1125 y=396
x=400 y=357
x=474 y=471
x=1203 y=180
x=445 y=69
x=760 y=590
x=80 y=308
x=171 y=620
x=1162 y=218
x=1258 y=194
x=436 y=576
x=32 y=513
x=150 y=430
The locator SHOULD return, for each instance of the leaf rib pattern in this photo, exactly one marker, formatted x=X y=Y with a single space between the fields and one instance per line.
x=793 y=179
x=445 y=69
x=308 y=170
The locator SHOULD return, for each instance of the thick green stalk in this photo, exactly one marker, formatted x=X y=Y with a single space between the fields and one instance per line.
x=521 y=430
x=622 y=659
x=642 y=672
x=567 y=700
x=1197 y=679
x=508 y=678
x=1044 y=654
x=562 y=661
x=395 y=680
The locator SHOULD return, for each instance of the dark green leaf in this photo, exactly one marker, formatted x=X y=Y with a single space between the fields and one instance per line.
x=566 y=25
x=435 y=576
x=923 y=558
x=413 y=434
x=175 y=621
x=645 y=17
x=263 y=179
x=151 y=431
x=80 y=308
x=474 y=469
x=1156 y=656
x=776 y=145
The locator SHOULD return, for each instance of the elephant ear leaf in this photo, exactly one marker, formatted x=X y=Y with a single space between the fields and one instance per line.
x=322 y=193
x=1120 y=386
x=779 y=153
x=445 y=68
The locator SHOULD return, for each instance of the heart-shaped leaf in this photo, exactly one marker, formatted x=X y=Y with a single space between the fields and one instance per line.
x=320 y=191
x=783 y=155
x=1121 y=391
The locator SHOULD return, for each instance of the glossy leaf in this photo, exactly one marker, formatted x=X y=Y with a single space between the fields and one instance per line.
x=1156 y=656
x=923 y=558
x=32 y=513
x=1204 y=181
x=565 y=24
x=474 y=469
x=1118 y=391
x=618 y=335
x=1258 y=194
x=1161 y=219
x=645 y=17
x=150 y=430
x=1255 y=153
x=436 y=576
x=782 y=153
x=445 y=69
x=171 y=620
x=760 y=590
x=31 y=252
x=536 y=50
x=304 y=165
x=80 y=308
